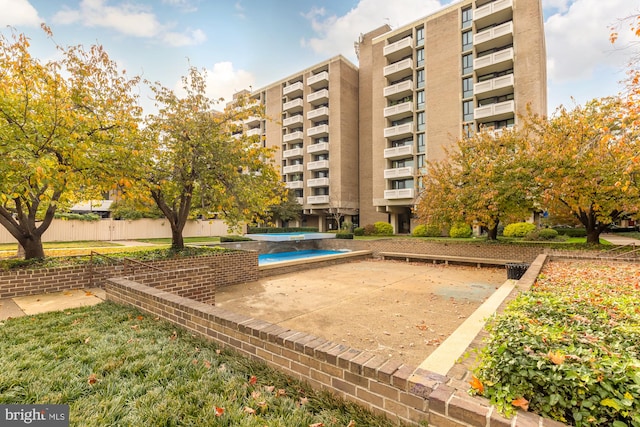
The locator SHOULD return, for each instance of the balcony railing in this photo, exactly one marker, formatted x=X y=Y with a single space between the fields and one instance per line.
x=489 y=63
x=318 y=182
x=317 y=200
x=396 y=173
x=293 y=120
x=294 y=152
x=293 y=136
x=318 y=113
x=318 y=164
x=321 y=130
x=318 y=97
x=318 y=80
x=321 y=147
x=254 y=132
x=252 y=121
x=294 y=184
x=496 y=11
x=399 y=110
x=498 y=35
x=293 y=105
x=400 y=68
x=399 y=152
x=399 y=90
x=400 y=130
x=300 y=200
x=498 y=86
x=499 y=110
x=397 y=50
x=292 y=169
x=405 y=193
x=293 y=89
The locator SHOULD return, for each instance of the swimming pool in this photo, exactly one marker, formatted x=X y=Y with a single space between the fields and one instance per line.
x=283 y=237
x=295 y=255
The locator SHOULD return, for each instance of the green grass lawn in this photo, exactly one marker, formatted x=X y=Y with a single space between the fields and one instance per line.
x=115 y=366
x=57 y=245
x=167 y=241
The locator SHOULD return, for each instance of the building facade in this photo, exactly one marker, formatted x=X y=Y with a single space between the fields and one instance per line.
x=355 y=140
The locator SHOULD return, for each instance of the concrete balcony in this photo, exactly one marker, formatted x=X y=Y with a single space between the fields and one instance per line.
x=496 y=87
x=293 y=106
x=294 y=152
x=499 y=35
x=318 y=165
x=254 y=132
x=399 y=49
x=318 y=97
x=398 y=131
x=496 y=11
x=399 y=152
x=300 y=200
x=294 y=184
x=294 y=89
x=317 y=200
x=318 y=131
x=293 y=136
x=318 y=80
x=399 y=111
x=399 y=70
x=321 y=147
x=502 y=59
x=399 y=90
x=318 y=113
x=405 y=172
x=292 y=169
x=252 y=121
x=318 y=182
x=405 y=193
x=298 y=119
x=498 y=111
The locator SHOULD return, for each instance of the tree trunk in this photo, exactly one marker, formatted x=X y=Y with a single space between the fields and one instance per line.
x=32 y=246
x=593 y=236
x=492 y=233
x=177 y=241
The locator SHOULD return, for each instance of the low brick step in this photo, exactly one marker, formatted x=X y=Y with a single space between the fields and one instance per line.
x=446 y=258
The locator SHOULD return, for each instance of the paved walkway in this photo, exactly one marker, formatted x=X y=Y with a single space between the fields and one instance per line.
x=35 y=304
x=616 y=239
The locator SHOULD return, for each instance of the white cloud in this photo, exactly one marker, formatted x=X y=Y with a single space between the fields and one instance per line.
x=578 y=38
x=340 y=32
x=223 y=81
x=18 y=12
x=556 y=5
x=127 y=19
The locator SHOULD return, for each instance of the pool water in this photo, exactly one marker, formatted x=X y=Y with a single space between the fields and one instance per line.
x=290 y=256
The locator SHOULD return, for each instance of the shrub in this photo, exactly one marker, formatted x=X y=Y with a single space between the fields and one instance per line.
x=369 y=230
x=518 y=229
x=460 y=230
x=78 y=217
x=347 y=226
x=423 y=230
x=572 y=232
x=547 y=234
x=344 y=235
x=265 y=230
x=224 y=239
x=382 y=228
x=419 y=231
x=358 y=231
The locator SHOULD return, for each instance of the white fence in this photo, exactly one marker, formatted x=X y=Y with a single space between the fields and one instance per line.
x=109 y=229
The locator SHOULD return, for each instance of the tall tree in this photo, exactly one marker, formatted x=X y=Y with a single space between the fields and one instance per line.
x=484 y=180
x=201 y=163
x=585 y=162
x=65 y=127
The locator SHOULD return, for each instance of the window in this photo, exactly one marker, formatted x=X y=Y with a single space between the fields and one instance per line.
x=421 y=143
x=467 y=87
x=467 y=63
x=420 y=79
x=467 y=111
x=420 y=100
x=421 y=120
x=467 y=17
x=402 y=184
x=467 y=130
x=421 y=162
x=420 y=36
x=467 y=41
x=401 y=163
x=420 y=58
x=298 y=192
x=321 y=157
x=321 y=191
x=495 y=100
x=322 y=174
x=402 y=142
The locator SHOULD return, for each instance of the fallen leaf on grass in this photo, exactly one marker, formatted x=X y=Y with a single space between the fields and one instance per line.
x=249 y=410
x=87 y=339
x=556 y=358
x=521 y=402
x=218 y=411
x=253 y=380
x=92 y=379
x=316 y=425
x=351 y=424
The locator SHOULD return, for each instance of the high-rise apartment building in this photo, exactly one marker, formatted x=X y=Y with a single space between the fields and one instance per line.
x=355 y=140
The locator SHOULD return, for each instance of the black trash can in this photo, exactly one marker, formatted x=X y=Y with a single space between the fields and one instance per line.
x=515 y=270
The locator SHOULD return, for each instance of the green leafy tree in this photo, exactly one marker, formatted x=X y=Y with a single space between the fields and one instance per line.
x=66 y=128
x=584 y=163
x=287 y=210
x=199 y=162
x=484 y=180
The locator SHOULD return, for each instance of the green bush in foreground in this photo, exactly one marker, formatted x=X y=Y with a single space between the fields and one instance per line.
x=382 y=228
x=542 y=234
x=569 y=349
x=358 y=231
x=518 y=229
x=460 y=231
x=233 y=238
x=344 y=235
x=423 y=230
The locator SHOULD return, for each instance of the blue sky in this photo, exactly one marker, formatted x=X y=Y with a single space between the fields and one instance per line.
x=233 y=39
